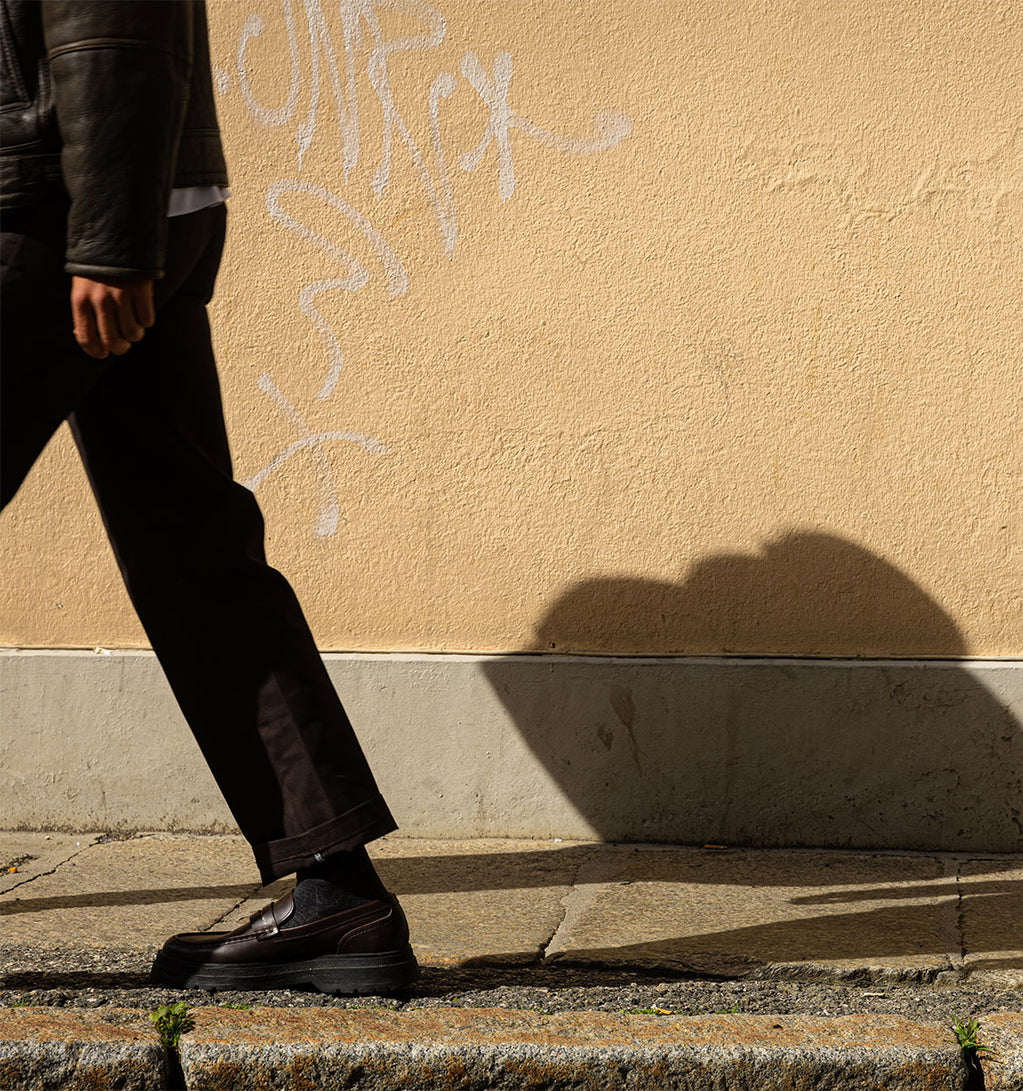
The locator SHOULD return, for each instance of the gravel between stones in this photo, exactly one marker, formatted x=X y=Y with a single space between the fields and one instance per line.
x=57 y=977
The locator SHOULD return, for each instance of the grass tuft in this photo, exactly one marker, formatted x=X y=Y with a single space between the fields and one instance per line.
x=172 y=1020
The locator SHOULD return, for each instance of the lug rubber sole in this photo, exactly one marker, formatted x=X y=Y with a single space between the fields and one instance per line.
x=377 y=974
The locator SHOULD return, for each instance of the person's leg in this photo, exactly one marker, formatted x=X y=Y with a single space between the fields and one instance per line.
x=226 y=627
x=43 y=372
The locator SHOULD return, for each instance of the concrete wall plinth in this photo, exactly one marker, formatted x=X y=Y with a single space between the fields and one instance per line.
x=885 y=754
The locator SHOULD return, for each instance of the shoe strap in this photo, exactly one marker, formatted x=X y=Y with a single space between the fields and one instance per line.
x=271 y=918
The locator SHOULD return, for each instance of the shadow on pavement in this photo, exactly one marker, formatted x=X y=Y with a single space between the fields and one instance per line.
x=156 y=896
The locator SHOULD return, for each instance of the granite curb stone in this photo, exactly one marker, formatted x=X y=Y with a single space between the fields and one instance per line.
x=80 y=1050
x=1002 y=1061
x=497 y=1050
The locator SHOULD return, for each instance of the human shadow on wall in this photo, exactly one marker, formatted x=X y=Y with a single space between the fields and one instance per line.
x=796 y=751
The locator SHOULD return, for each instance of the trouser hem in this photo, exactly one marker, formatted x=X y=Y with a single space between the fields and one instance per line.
x=348 y=831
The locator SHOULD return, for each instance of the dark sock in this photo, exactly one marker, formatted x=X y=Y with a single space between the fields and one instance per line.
x=340 y=881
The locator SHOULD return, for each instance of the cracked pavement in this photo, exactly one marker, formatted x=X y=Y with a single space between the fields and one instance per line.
x=506 y=911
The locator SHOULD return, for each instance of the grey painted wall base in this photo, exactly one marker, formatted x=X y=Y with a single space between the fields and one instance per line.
x=831 y=753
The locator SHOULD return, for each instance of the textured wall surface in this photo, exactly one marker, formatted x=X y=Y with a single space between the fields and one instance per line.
x=621 y=327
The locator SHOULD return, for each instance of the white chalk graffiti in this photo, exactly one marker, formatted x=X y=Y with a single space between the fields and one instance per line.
x=610 y=128
x=356 y=19
x=394 y=270
x=329 y=513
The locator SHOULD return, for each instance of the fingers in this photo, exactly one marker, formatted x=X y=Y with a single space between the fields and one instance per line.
x=142 y=305
x=83 y=316
x=110 y=316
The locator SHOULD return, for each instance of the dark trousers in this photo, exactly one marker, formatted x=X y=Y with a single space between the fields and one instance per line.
x=225 y=626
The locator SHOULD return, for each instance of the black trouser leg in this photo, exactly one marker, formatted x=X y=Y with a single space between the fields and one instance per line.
x=226 y=627
x=44 y=373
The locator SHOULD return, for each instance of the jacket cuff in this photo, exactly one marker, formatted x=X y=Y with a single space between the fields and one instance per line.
x=76 y=269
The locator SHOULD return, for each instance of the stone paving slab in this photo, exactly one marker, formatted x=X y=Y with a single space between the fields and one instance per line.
x=992 y=919
x=44 y=851
x=470 y=903
x=837 y=916
x=134 y=892
x=679 y=911
x=742 y=912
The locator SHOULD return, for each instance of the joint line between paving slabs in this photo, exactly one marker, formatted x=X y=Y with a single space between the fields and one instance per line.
x=959 y=959
x=543 y=948
x=256 y=888
x=581 y=895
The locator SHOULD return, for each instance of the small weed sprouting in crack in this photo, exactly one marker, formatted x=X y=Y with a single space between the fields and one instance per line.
x=966 y=1032
x=172 y=1020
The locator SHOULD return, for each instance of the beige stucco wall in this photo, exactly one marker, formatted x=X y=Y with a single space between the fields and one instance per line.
x=716 y=350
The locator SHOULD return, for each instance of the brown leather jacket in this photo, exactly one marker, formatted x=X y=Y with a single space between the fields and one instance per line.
x=105 y=106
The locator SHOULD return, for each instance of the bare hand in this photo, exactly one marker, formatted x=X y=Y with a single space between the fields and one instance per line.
x=110 y=314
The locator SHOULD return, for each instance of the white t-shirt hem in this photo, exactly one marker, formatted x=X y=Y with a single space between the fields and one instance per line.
x=192 y=198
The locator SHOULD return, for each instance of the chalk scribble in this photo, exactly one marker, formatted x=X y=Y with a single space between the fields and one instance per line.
x=359 y=34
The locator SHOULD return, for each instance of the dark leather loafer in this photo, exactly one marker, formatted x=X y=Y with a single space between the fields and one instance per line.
x=361 y=952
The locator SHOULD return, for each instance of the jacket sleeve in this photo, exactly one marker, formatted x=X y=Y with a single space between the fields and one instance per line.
x=120 y=74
